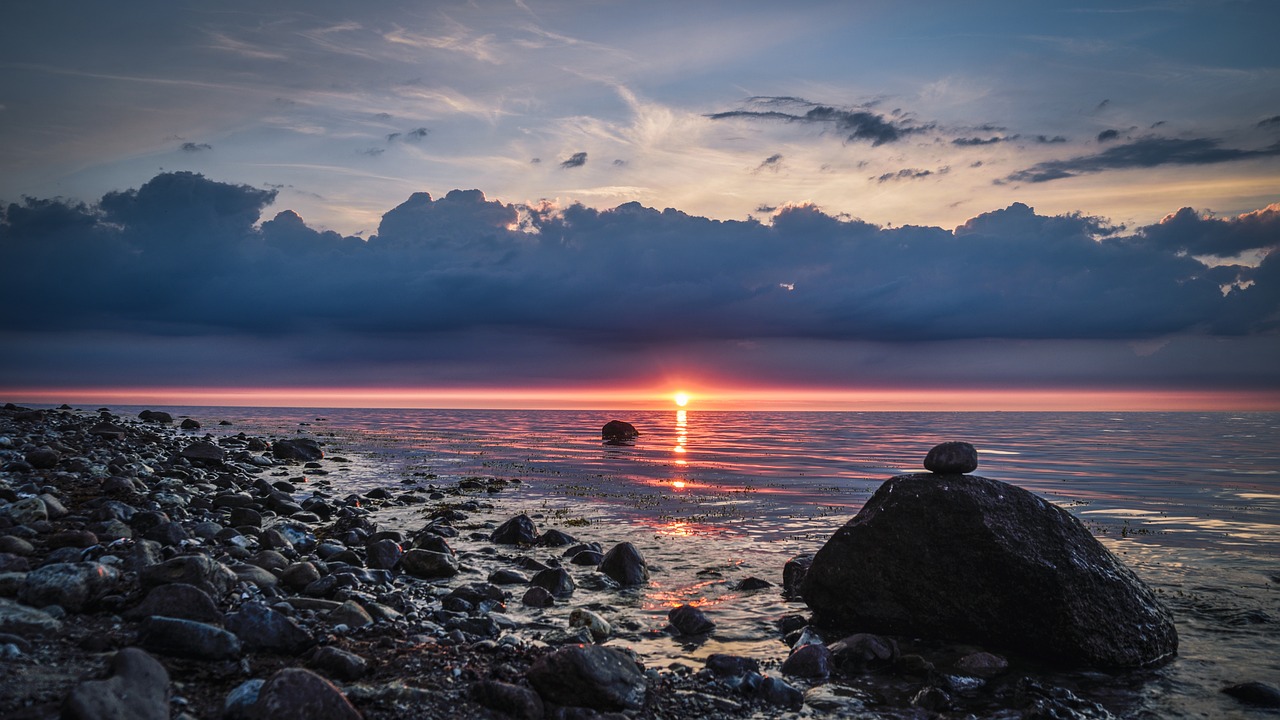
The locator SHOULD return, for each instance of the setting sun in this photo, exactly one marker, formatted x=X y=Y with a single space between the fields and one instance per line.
x=682 y=398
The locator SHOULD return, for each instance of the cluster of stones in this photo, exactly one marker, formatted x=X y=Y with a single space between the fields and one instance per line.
x=183 y=551
x=194 y=548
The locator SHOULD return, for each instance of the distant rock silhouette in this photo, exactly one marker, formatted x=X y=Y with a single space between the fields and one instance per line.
x=618 y=431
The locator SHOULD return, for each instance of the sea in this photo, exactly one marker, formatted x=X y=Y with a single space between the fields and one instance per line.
x=1190 y=501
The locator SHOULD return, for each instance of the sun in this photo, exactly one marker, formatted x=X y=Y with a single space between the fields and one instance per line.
x=681 y=398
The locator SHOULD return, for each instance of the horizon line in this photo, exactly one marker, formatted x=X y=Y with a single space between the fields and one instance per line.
x=791 y=399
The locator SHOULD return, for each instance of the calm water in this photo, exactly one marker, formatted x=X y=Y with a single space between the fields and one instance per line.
x=1190 y=501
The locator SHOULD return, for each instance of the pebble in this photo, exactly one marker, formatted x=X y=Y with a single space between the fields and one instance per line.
x=298 y=694
x=594 y=676
x=138 y=689
x=26 y=621
x=187 y=638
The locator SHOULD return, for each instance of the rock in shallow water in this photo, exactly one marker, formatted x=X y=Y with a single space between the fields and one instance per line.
x=1255 y=693
x=625 y=564
x=618 y=430
x=689 y=620
x=969 y=559
x=519 y=530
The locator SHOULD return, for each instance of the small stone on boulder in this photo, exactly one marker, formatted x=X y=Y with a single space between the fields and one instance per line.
x=951 y=458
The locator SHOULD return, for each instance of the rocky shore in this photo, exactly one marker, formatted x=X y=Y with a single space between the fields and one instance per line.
x=151 y=570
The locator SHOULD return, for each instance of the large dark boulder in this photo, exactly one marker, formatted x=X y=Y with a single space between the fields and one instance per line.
x=968 y=559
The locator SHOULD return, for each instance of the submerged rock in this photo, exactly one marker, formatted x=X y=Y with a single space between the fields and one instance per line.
x=969 y=559
x=1255 y=693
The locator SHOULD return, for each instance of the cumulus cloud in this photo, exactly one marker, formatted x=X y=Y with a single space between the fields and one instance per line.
x=1142 y=153
x=575 y=160
x=184 y=254
x=1108 y=135
x=853 y=124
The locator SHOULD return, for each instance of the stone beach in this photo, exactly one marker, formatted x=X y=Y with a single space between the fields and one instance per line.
x=148 y=570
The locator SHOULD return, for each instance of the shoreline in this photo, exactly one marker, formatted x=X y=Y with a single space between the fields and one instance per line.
x=427 y=653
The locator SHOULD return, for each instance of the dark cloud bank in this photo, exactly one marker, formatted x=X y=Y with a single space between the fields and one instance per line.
x=182 y=258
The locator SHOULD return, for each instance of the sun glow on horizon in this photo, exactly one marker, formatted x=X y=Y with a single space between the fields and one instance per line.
x=620 y=397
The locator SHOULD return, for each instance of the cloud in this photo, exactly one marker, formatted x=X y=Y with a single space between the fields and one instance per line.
x=1108 y=135
x=977 y=141
x=1199 y=234
x=853 y=124
x=417 y=134
x=771 y=163
x=195 y=147
x=1269 y=122
x=904 y=174
x=575 y=160
x=1143 y=153
x=1047 y=140
x=184 y=255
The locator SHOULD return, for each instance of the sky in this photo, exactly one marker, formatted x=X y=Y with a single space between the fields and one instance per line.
x=986 y=205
